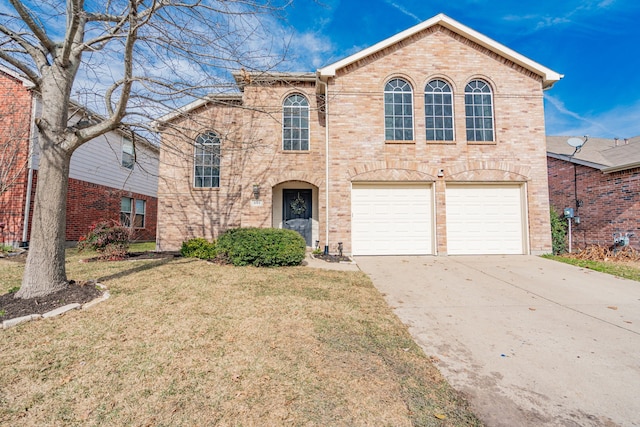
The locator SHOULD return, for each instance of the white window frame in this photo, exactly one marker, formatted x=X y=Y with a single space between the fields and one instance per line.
x=206 y=159
x=391 y=91
x=295 y=123
x=128 y=154
x=478 y=97
x=434 y=88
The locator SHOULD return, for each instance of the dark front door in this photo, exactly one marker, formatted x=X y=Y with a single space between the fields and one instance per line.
x=296 y=211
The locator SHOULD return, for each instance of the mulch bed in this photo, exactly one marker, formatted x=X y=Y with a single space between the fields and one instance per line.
x=80 y=292
x=333 y=258
x=134 y=256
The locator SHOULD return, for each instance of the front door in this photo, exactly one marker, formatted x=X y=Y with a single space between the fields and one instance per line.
x=297 y=212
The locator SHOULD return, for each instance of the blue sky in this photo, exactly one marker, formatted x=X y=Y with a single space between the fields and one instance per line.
x=594 y=43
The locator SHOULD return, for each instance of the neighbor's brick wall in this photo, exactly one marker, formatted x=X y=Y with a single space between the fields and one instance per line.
x=89 y=203
x=15 y=121
x=611 y=202
x=358 y=152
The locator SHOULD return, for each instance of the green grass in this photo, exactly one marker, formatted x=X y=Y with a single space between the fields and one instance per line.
x=613 y=268
x=142 y=247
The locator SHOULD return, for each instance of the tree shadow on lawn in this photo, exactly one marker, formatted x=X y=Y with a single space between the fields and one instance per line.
x=75 y=292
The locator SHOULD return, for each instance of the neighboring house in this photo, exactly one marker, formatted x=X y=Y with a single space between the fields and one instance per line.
x=601 y=182
x=429 y=142
x=108 y=178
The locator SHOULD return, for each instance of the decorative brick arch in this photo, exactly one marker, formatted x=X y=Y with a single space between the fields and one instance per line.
x=489 y=170
x=392 y=171
x=296 y=176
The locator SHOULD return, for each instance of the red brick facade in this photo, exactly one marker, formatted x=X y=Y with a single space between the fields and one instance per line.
x=15 y=121
x=610 y=202
x=87 y=203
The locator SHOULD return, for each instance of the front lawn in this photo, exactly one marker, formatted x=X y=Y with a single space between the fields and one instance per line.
x=627 y=270
x=186 y=342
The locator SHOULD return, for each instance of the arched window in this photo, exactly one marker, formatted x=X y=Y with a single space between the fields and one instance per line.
x=398 y=111
x=206 y=163
x=295 y=123
x=478 y=102
x=438 y=111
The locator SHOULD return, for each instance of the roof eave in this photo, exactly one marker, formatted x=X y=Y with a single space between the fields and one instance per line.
x=570 y=159
x=621 y=168
x=159 y=122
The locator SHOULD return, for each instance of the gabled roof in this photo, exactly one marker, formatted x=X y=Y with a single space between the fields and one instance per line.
x=16 y=75
x=185 y=109
x=549 y=77
x=607 y=155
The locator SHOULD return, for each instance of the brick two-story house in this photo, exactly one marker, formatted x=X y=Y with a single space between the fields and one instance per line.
x=429 y=142
x=111 y=177
x=601 y=183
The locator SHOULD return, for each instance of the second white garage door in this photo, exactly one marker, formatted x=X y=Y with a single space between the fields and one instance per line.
x=391 y=219
x=484 y=219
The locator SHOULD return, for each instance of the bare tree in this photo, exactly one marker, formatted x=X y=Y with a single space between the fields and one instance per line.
x=13 y=154
x=139 y=58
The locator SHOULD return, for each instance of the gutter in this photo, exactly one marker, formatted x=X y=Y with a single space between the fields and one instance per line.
x=326 y=159
x=27 y=203
x=621 y=168
x=568 y=158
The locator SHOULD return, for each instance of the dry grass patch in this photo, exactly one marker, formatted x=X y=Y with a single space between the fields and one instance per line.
x=185 y=342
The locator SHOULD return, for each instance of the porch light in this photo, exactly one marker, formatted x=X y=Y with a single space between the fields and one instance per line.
x=256 y=191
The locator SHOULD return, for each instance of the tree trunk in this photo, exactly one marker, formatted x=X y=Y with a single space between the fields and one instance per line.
x=45 y=269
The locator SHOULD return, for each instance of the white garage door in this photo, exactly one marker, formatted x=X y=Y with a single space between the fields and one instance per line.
x=391 y=219
x=484 y=219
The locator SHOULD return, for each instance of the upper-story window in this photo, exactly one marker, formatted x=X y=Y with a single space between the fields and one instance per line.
x=398 y=111
x=128 y=154
x=438 y=111
x=295 y=123
x=207 y=161
x=478 y=102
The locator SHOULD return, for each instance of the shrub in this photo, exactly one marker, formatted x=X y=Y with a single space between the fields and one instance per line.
x=108 y=238
x=558 y=233
x=198 y=248
x=265 y=247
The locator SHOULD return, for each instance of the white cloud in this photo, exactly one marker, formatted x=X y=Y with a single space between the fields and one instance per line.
x=619 y=122
x=403 y=10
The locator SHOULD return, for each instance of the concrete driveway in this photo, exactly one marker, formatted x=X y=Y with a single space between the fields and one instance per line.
x=529 y=341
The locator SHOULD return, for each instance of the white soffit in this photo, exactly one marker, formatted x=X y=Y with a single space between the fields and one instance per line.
x=549 y=76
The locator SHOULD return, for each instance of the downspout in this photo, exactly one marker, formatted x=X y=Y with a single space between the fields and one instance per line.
x=27 y=203
x=326 y=160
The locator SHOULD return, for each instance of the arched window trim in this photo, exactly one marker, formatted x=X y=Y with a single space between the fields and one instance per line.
x=438 y=110
x=398 y=110
x=295 y=123
x=206 y=160
x=479 y=112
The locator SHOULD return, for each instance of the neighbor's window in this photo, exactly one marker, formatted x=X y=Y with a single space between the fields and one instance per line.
x=132 y=209
x=398 y=111
x=295 y=123
x=128 y=154
x=126 y=208
x=438 y=111
x=206 y=163
x=138 y=215
x=478 y=102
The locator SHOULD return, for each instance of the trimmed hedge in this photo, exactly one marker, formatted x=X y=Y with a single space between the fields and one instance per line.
x=199 y=248
x=262 y=247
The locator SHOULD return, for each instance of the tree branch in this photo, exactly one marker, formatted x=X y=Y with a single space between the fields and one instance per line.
x=34 y=26
x=28 y=72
